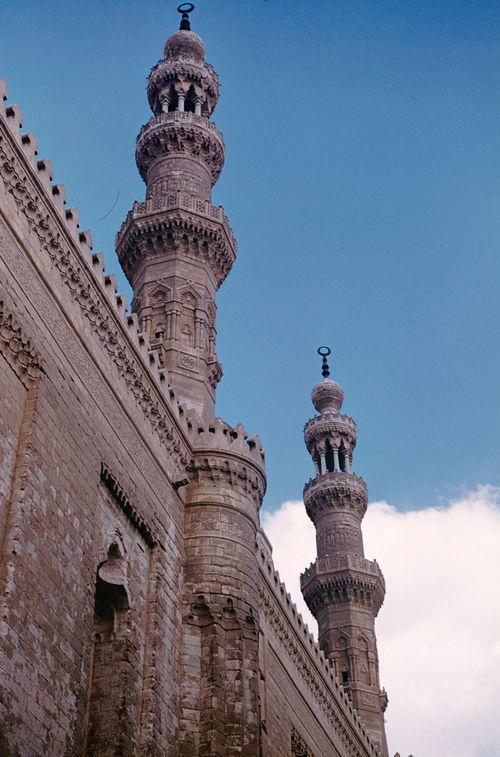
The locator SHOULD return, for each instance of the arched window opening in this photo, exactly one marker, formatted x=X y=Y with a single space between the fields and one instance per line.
x=190 y=102
x=329 y=458
x=173 y=99
x=105 y=688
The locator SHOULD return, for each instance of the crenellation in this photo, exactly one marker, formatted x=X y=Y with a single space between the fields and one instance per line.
x=14 y=119
x=30 y=146
x=44 y=168
x=127 y=506
x=320 y=661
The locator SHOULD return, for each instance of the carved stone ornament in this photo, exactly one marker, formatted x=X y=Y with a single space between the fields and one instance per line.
x=333 y=426
x=354 y=744
x=185 y=73
x=337 y=490
x=299 y=746
x=17 y=348
x=343 y=579
x=93 y=306
x=180 y=133
x=171 y=229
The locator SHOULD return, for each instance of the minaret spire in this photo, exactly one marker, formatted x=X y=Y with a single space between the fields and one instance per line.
x=176 y=248
x=343 y=590
x=325 y=368
x=185 y=9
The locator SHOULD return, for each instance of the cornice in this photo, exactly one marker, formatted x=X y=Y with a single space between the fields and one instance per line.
x=180 y=133
x=126 y=505
x=343 y=579
x=215 y=468
x=328 y=425
x=180 y=224
x=339 y=491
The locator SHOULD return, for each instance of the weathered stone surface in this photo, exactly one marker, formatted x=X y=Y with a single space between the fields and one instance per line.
x=140 y=610
x=343 y=590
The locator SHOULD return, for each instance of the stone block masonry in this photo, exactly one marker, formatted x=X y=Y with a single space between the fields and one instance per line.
x=140 y=613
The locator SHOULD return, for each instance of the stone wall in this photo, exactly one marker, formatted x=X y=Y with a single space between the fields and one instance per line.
x=95 y=455
x=90 y=452
x=303 y=707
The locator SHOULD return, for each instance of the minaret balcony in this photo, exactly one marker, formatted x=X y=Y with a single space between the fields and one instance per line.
x=329 y=426
x=180 y=133
x=337 y=490
x=177 y=201
x=341 y=579
x=165 y=219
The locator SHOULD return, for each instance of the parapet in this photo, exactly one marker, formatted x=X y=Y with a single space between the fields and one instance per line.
x=218 y=436
x=28 y=178
x=315 y=660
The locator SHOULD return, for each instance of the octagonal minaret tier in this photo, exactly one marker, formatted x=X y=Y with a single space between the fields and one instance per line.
x=176 y=248
x=343 y=590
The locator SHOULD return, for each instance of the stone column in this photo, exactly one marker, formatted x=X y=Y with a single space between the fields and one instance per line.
x=336 y=464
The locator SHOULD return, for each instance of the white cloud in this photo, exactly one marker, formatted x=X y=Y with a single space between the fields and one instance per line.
x=439 y=629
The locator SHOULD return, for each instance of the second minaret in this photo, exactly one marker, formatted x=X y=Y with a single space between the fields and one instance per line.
x=343 y=590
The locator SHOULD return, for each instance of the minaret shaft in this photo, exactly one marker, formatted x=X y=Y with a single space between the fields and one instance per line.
x=176 y=248
x=343 y=590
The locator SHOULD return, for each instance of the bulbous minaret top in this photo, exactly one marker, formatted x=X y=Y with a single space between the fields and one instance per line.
x=176 y=248
x=343 y=590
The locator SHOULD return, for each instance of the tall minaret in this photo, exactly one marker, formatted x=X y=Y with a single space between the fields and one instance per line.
x=176 y=248
x=343 y=590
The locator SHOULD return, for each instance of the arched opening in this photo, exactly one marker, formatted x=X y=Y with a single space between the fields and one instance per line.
x=190 y=103
x=329 y=458
x=105 y=687
x=173 y=99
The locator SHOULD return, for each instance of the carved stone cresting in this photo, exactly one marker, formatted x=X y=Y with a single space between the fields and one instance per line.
x=17 y=348
x=331 y=706
x=93 y=305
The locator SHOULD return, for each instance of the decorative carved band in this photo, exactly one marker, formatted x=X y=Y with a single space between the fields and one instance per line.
x=355 y=744
x=329 y=425
x=339 y=490
x=84 y=292
x=165 y=134
x=126 y=506
x=328 y=585
x=174 y=230
x=17 y=349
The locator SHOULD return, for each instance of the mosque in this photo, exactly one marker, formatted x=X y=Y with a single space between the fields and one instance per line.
x=141 y=612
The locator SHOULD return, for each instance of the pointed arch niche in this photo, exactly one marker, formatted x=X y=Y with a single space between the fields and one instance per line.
x=106 y=686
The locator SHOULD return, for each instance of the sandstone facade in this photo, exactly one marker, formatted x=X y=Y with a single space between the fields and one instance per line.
x=140 y=609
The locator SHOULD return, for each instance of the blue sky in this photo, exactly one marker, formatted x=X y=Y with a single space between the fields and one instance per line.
x=361 y=181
